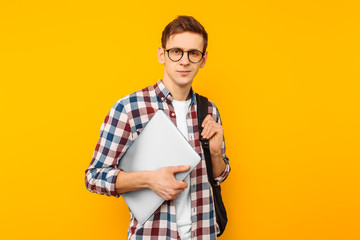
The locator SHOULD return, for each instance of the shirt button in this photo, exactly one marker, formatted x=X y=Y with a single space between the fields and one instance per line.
x=172 y=114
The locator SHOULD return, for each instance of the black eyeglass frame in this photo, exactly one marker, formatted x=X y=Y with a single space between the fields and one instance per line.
x=182 y=54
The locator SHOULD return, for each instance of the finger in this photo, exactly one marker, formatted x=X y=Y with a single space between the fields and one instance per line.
x=217 y=129
x=205 y=124
x=208 y=126
x=169 y=194
x=174 y=194
x=210 y=133
x=182 y=185
x=163 y=195
x=206 y=120
x=206 y=130
x=181 y=168
x=168 y=197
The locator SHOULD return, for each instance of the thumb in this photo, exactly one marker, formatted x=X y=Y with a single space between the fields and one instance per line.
x=181 y=168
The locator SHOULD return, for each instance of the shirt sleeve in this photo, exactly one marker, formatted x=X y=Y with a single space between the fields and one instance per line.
x=114 y=139
x=216 y=115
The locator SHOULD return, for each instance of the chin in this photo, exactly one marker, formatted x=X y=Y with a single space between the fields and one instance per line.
x=183 y=82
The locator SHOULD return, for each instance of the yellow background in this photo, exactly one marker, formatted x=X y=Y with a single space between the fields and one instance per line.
x=284 y=75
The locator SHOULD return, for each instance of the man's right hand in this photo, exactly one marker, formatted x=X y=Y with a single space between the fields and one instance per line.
x=164 y=183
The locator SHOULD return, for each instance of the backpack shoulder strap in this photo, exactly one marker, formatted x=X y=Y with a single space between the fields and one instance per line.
x=202 y=112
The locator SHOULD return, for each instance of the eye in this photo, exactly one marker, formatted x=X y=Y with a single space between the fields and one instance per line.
x=176 y=51
x=195 y=53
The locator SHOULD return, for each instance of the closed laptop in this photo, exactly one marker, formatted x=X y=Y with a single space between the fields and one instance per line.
x=160 y=144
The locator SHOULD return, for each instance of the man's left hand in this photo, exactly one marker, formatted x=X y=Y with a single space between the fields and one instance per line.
x=215 y=133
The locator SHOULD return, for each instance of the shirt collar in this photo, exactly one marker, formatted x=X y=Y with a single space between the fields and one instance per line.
x=163 y=93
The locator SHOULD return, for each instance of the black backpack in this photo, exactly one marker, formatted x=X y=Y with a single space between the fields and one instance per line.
x=221 y=216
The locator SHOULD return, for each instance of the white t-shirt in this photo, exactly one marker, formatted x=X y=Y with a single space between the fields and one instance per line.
x=183 y=201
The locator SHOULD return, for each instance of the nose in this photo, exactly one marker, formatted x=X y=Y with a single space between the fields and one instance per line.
x=185 y=59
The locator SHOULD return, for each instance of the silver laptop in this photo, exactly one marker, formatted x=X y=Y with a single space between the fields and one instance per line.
x=160 y=144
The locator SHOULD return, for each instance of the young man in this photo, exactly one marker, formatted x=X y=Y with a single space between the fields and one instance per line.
x=188 y=212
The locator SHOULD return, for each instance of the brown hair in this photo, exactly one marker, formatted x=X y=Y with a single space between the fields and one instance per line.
x=182 y=24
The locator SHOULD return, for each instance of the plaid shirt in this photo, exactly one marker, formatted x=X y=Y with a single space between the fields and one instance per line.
x=120 y=128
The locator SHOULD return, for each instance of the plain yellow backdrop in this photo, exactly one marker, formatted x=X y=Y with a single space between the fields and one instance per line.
x=284 y=75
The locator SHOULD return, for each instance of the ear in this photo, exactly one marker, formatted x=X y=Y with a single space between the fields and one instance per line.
x=161 y=55
x=203 y=61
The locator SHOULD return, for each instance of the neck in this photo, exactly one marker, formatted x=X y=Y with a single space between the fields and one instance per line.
x=179 y=93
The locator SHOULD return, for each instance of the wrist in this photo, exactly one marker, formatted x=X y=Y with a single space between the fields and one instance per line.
x=148 y=179
x=215 y=154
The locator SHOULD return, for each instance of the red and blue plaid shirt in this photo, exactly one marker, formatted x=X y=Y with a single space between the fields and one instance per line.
x=120 y=128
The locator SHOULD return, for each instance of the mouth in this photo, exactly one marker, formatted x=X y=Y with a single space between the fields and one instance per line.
x=183 y=72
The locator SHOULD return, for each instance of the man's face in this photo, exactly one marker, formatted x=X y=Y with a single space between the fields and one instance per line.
x=182 y=72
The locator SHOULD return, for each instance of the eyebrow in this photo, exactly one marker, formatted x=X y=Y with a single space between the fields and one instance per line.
x=191 y=49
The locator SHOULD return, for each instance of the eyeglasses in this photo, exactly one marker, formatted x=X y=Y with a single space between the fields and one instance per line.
x=175 y=54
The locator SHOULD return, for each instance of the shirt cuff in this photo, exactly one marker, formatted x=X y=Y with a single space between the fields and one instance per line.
x=221 y=178
x=111 y=182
